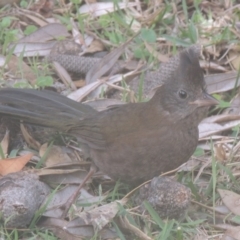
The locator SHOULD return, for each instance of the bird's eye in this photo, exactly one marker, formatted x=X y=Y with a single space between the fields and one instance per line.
x=182 y=94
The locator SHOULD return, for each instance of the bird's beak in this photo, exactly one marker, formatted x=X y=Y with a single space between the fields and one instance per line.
x=205 y=101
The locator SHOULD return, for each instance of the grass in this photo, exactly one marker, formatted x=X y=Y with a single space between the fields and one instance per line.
x=166 y=28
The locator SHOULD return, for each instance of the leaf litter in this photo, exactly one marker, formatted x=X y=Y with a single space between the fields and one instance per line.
x=219 y=133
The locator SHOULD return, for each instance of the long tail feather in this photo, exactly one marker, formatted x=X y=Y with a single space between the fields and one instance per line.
x=44 y=107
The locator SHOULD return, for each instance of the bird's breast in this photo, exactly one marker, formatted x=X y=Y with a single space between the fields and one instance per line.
x=141 y=155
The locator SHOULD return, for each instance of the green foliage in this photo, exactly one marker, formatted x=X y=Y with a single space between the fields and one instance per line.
x=7 y=35
x=44 y=81
x=148 y=35
x=24 y=3
x=30 y=29
x=76 y=1
x=198 y=152
x=222 y=104
x=22 y=84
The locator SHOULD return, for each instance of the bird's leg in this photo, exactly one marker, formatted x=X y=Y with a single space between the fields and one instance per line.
x=73 y=198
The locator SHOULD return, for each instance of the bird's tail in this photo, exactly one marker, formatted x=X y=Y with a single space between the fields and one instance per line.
x=43 y=108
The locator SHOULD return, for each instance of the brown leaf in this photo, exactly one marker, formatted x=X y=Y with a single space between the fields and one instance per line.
x=75 y=229
x=106 y=64
x=81 y=93
x=62 y=176
x=58 y=227
x=14 y=164
x=64 y=75
x=55 y=156
x=140 y=234
x=5 y=2
x=103 y=104
x=96 y=46
x=5 y=143
x=232 y=234
x=61 y=197
x=159 y=56
x=103 y=8
x=46 y=33
x=231 y=200
x=101 y=216
x=44 y=7
x=221 y=82
x=235 y=59
x=208 y=127
x=79 y=83
x=32 y=49
x=20 y=69
x=29 y=139
x=221 y=152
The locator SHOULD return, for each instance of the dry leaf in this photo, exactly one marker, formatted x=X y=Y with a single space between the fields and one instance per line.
x=29 y=139
x=14 y=164
x=107 y=62
x=101 y=216
x=234 y=109
x=208 y=129
x=102 y=8
x=159 y=56
x=96 y=46
x=49 y=32
x=20 y=69
x=79 y=83
x=6 y=2
x=81 y=93
x=62 y=176
x=64 y=76
x=220 y=152
x=61 y=197
x=103 y=104
x=32 y=49
x=231 y=200
x=37 y=18
x=235 y=59
x=5 y=143
x=140 y=234
x=232 y=234
x=221 y=82
x=201 y=237
x=212 y=66
x=61 y=231
x=55 y=155
x=44 y=7
x=75 y=229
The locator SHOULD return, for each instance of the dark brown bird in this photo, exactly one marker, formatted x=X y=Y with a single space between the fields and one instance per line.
x=133 y=142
